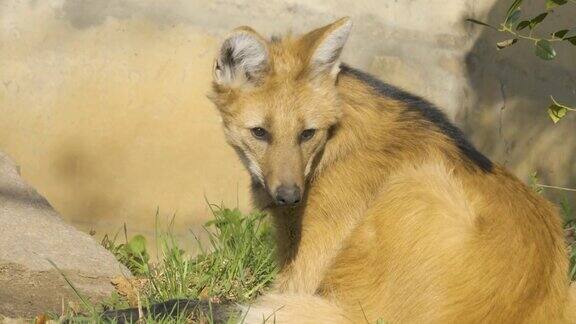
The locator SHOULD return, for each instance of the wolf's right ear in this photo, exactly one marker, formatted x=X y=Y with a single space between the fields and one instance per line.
x=326 y=44
x=243 y=59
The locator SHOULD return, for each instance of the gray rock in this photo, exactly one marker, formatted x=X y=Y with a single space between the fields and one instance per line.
x=31 y=234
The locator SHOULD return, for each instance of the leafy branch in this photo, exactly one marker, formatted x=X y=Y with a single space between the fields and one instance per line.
x=557 y=111
x=556 y=187
x=515 y=26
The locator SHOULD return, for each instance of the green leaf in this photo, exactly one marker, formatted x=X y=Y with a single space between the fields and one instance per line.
x=137 y=245
x=506 y=43
x=560 y=33
x=533 y=182
x=478 y=22
x=510 y=20
x=550 y=4
x=523 y=24
x=556 y=112
x=544 y=50
x=513 y=8
x=571 y=40
x=537 y=20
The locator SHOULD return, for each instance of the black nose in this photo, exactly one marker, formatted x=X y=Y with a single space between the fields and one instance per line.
x=288 y=195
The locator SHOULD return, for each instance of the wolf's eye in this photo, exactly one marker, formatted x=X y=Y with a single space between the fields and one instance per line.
x=307 y=134
x=259 y=132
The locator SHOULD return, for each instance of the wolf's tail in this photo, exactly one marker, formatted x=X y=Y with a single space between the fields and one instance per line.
x=293 y=308
x=272 y=308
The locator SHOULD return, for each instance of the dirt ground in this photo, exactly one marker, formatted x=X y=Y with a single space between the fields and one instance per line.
x=30 y=293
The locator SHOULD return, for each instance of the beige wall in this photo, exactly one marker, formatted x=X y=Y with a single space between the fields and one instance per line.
x=509 y=92
x=111 y=122
x=103 y=103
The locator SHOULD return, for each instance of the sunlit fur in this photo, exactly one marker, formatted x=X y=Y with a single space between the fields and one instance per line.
x=402 y=219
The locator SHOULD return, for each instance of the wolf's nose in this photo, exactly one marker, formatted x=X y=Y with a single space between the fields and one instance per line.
x=288 y=195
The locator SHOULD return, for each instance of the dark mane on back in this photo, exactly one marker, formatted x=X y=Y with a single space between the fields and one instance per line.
x=427 y=111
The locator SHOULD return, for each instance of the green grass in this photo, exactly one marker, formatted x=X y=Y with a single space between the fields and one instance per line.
x=236 y=265
x=570 y=229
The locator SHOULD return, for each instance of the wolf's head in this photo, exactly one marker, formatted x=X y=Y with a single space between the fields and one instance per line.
x=278 y=102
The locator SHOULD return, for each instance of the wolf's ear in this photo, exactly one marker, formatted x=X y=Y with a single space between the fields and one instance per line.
x=243 y=58
x=326 y=44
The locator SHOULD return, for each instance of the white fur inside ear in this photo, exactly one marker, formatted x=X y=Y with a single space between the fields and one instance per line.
x=327 y=54
x=241 y=59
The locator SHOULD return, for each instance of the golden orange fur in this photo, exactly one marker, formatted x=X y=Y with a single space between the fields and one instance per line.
x=401 y=219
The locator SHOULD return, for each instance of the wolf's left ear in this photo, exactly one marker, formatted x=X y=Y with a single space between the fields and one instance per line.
x=243 y=59
x=326 y=44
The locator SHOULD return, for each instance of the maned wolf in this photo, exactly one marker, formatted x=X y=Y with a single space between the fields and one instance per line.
x=383 y=209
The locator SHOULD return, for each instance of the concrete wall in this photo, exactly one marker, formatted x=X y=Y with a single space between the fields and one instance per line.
x=509 y=94
x=103 y=103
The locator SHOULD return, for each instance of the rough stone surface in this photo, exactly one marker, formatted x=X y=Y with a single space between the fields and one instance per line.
x=31 y=233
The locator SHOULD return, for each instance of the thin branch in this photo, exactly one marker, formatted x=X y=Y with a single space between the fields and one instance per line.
x=561 y=105
x=556 y=187
x=505 y=28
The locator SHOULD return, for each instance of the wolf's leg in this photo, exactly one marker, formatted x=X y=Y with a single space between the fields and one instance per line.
x=334 y=205
x=331 y=213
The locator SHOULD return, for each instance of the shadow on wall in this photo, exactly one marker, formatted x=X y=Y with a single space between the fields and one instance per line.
x=507 y=116
x=74 y=167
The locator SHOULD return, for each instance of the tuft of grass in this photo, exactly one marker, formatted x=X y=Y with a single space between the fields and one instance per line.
x=570 y=230
x=236 y=265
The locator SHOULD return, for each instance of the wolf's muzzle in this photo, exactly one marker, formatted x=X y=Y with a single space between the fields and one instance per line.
x=288 y=195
